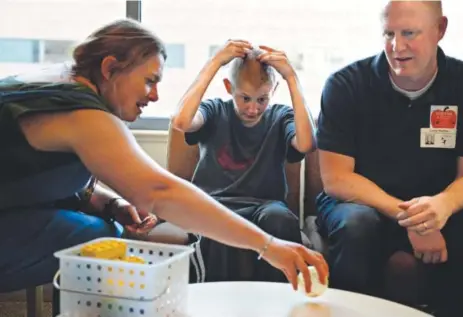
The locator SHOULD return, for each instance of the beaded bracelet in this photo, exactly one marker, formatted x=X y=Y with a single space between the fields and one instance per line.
x=264 y=249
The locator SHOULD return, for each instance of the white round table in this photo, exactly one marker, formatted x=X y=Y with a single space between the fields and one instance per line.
x=255 y=299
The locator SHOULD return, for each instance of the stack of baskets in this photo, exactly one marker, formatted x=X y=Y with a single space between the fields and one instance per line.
x=95 y=287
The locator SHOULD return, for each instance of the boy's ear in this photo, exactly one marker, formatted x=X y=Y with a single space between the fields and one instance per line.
x=228 y=85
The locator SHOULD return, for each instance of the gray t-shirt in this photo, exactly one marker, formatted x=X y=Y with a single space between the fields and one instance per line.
x=239 y=163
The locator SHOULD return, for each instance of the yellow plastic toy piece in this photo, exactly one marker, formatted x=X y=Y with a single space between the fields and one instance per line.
x=110 y=250
x=133 y=259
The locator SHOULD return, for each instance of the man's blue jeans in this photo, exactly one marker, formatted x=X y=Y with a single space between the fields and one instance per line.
x=361 y=240
x=356 y=238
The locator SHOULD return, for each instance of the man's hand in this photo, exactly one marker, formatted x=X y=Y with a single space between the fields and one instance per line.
x=278 y=60
x=425 y=214
x=430 y=248
x=231 y=50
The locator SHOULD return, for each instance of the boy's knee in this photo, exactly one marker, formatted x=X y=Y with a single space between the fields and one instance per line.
x=280 y=222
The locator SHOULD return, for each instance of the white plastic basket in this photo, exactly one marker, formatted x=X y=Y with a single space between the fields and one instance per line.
x=92 y=287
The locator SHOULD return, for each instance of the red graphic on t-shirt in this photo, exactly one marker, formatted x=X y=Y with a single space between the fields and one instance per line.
x=443 y=119
x=227 y=162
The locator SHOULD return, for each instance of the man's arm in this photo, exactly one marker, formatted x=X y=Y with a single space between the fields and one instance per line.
x=304 y=140
x=429 y=214
x=341 y=182
x=338 y=147
x=453 y=193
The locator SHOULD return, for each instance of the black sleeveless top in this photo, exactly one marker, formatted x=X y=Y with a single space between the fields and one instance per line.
x=29 y=177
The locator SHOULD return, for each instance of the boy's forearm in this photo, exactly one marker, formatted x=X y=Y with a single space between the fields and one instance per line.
x=191 y=100
x=302 y=117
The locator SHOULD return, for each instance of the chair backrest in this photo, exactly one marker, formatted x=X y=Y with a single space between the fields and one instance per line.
x=182 y=160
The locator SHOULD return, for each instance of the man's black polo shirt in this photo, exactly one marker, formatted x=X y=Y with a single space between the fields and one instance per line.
x=363 y=117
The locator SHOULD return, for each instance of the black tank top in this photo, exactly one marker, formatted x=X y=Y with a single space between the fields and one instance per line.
x=28 y=176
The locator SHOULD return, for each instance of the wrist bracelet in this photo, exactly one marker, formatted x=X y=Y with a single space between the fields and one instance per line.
x=107 y=213
x=264 y=249
x=85 y=195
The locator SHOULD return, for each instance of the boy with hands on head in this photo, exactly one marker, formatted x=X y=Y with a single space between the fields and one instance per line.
x=244 y=143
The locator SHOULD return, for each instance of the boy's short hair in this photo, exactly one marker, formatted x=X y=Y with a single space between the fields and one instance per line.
x=258 y=73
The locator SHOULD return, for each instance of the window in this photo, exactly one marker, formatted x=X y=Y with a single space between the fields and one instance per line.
x=19 y=50
x=316 y=36
x=213 y=49
x=296 y=59
x=334 y=60
x=176 y=55
x=51 y=31
x=55 y=51
x=319 y=38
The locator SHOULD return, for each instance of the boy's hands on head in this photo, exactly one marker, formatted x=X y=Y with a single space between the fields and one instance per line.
x=231 y=50
x=278 y=60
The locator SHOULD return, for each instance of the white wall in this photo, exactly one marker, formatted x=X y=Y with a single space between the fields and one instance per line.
x=154 y=143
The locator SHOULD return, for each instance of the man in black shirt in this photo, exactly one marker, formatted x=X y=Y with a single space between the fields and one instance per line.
x=390 y=156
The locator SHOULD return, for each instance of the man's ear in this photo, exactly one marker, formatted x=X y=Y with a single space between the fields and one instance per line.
x=228 y=85
x=443 y=23
x=108 y=67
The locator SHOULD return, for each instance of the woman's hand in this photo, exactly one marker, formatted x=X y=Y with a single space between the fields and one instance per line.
x=291 y=257
x=135 y=221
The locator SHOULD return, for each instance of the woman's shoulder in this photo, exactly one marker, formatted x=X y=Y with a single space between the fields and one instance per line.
x=22 y=97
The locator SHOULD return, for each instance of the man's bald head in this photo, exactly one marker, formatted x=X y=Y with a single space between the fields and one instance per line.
x=434 y=6
x=412 y=31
